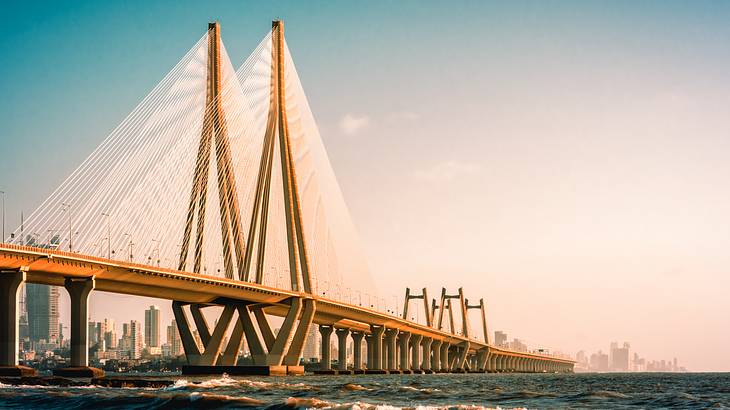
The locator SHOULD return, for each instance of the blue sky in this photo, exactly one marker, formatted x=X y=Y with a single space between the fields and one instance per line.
x=577 y=151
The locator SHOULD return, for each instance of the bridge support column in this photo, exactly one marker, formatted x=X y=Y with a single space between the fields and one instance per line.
x=445 y=363
x=426 y=359
x=342 y=335
x=416 y=352
x=391 y=349
x=79 y=290
x=326 y=361
x=357 y=350
x=369 y=346
x=377 y=343
x=10 y=282
x=403 y=340
x=492 y=363
x=463 y=354
x=436 y=355
x=482 y=359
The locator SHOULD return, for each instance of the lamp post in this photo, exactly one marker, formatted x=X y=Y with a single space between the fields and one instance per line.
x=130 y=246
x=157 y=250
x=108 y=236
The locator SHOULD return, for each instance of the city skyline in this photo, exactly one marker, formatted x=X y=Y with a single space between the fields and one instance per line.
x=592 y=185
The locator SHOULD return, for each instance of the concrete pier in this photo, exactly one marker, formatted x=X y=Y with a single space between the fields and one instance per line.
x=357 y=350
x=426 y=359
x=326 y=361
x=404 y=341
x=391 y=351
x=79 y=290
x=10 y=282
x=342 y=335
x=416 y=352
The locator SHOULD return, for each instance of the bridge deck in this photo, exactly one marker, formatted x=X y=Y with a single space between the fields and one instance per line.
x=51 y=267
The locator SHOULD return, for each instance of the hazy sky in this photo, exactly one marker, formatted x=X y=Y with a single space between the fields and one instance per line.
x=568 y=162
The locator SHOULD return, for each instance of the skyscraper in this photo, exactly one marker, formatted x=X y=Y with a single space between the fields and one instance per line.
x=93 y=335
x=42 y=305
x=152 y=327
x=500 y=338
x=135 y=336
x=619 y=357
x=311 y=344
x=110 y=335
x=173 y=339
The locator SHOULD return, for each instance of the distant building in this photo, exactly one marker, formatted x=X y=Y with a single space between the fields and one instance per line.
x=131 y=343
x=599 y=362
x=136 y=340
x=110 y=334
x=517 y=345
x=152 y=327
x=311 y=344
x=500 y=338
x=619 y=358
x=93 y=335
x=173 y=340
x=42 y=305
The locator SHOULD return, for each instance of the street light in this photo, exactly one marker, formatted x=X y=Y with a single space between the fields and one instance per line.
x=108 y=236
x=130 y=246
x=157 y=249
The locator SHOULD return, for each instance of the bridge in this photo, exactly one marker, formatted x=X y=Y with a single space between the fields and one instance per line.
x=220 y=181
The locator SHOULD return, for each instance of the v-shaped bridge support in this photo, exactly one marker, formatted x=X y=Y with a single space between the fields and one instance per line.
x=267 y=349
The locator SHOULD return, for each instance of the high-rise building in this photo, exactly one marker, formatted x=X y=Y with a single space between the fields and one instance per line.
x=518 y=345
x=135 y=340
x=42 y=305
x=110 y=335
x=599 y=362
x=311 y=344
x=152 y=327
x=500 y=338
x=619 y=358
x=173 y=339
x=93 y=335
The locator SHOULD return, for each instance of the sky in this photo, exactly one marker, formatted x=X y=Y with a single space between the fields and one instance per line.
x=567 y=161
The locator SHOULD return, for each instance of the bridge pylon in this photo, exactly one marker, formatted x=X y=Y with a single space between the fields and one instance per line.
x=272 y=353
x=427 y=311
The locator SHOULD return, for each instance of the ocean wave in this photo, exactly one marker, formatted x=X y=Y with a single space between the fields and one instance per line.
x=355 y=387
x=227 y=381
x=415 y=389
x=604 y=394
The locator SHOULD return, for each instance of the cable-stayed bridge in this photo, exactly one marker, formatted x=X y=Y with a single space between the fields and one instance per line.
x=216 y=191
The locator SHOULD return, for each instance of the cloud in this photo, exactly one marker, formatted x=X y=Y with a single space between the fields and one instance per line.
x=447 y=171
x=350 y=124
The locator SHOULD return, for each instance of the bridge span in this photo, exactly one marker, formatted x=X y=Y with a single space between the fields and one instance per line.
x=394 y=344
